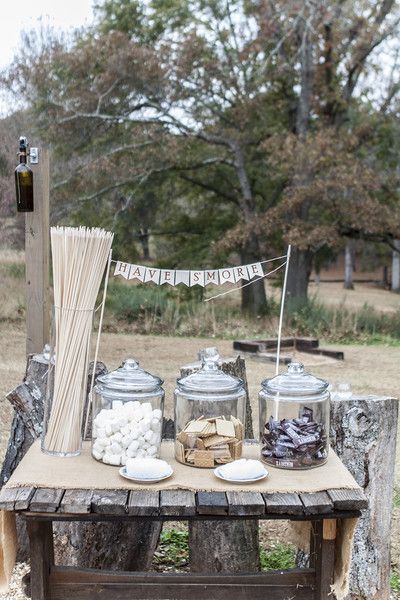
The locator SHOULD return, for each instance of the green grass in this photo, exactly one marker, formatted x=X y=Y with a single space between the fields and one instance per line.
x=395 y=582
x=173 y=550
x=279 y=557
x=15 y=270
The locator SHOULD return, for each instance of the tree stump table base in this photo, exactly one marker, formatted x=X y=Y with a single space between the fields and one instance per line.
x=42 y=507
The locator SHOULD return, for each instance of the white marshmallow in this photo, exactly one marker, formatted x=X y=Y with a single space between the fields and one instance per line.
x=152 y=451
x=117 y=404
x=148 y=435
x=108 y=429
x=125 y=430
x=98 y=455
x=138 y=414
x=117 y=437
x=135 y=433
x=101 y=432
x=112 y=459
x=123 y=460
x=144 y=425
x=157 y=414
x=147 y=408
x=155 y=439
x=134 y=446
x=155 y=425
x=126 y=441
x=116 y=448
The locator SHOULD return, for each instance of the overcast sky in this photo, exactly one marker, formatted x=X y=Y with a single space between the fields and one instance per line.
x=14 y=18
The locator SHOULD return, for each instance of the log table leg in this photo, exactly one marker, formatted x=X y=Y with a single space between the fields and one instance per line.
x=322 y=556
x=42 y=557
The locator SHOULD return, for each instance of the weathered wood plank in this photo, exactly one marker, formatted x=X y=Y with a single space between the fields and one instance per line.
x=283 y=504
x=323 y=546
x=42 y=557
x=143 y=503
x=76 y=501
x=23 y=499
x=177 y=502
x=316 y=503
x=110 y=502
x=348 y=499
x=245 y=503
x=212 y=503
x=46 y=500
x=103 y=585
x=8 y=497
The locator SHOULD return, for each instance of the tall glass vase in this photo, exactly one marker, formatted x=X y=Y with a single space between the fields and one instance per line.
x=67 y=381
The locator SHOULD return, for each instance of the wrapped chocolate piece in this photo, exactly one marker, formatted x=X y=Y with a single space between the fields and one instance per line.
x=209 y=415
x=294 y=419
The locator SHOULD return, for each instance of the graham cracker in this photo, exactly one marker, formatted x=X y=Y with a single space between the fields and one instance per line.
x=203 y=458
x=225 y=428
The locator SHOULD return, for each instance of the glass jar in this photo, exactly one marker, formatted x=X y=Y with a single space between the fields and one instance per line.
x=294 y=419
x=209 y=415
x=128 y=411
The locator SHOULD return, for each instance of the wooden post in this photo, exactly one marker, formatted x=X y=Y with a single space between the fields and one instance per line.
x=37 y=259
x=363 y=434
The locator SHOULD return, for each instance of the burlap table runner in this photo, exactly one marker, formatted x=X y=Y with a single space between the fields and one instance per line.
x=40 y=470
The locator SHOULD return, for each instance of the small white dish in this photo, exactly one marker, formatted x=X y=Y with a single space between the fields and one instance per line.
x=124 y=474
x=220 y=475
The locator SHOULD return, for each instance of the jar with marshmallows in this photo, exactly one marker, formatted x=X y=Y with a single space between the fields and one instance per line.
x=128 y=411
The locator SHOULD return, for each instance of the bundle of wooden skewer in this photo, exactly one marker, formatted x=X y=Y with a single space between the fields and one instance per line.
x=79 y=258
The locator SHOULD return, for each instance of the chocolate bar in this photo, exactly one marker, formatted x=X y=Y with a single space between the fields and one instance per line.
x=298 y=443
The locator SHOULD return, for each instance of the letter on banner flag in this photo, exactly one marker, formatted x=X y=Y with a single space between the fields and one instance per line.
x=197 y=278
x=152 y=275
x=167 y=276
x=241 y=273
x=182 y=277
x=226 y=275
x=137 y=272
x=211 y=277
x=255 y=270
x=122 y=268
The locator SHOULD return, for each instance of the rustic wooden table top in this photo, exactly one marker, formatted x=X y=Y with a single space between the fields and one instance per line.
x=83 y=503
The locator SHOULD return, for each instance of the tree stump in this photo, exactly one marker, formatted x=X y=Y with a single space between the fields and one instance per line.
x=220 y=546
x=363 y=434
x=77 y=542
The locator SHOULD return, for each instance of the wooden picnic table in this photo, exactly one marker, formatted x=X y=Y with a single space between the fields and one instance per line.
x=41 y=507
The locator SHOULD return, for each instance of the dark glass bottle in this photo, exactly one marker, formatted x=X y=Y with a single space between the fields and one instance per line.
x=24 y=180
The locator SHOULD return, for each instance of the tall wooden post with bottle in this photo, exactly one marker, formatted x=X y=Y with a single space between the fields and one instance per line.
x=33 y=193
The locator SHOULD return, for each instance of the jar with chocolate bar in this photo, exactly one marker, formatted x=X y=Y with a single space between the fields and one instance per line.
x=209 y=415
x=294 y=419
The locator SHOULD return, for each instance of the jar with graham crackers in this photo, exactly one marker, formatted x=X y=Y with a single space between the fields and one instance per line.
x=209 y=415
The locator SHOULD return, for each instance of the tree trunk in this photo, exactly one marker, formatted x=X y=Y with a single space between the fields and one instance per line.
x=363 y=434
x=348 y=266
x=75 y=543
x=220 y=546
x=396 y=267
x=298 y=275
x=144 y=240
x=254 y=298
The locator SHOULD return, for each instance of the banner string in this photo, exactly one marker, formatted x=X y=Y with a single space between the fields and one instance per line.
x=260 y=261
x=248 y=283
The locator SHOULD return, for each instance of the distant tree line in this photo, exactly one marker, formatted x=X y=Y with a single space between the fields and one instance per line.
x=215 y=129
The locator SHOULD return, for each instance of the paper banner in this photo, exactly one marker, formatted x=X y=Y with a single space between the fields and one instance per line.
x=182 y=277
x=189 y=278
x=167 y=276
x=241 y=273
x=197 y=278
x=122 y=268
x=152 y=275
x=137 y=272
x=226 y=276
x=211 y=277
x=255 y=270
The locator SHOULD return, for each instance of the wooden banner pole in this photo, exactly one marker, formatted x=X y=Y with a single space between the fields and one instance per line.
x=37 y=246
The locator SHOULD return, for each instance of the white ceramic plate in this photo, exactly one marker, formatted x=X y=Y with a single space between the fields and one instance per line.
x=124 y=474
x=218 y=474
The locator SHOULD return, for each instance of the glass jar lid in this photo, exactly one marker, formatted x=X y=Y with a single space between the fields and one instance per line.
x=296 y=382
x=210 y=379
x=129 y=377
